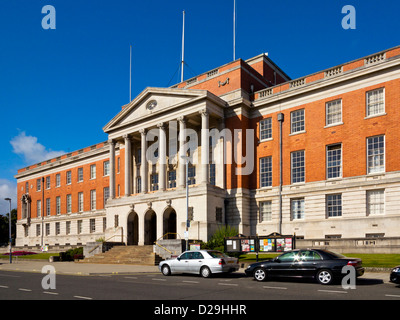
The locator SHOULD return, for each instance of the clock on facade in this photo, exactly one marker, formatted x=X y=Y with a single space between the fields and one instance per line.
x=151 y=105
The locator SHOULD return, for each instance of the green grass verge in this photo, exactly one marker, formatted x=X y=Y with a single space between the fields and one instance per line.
x=39 y=256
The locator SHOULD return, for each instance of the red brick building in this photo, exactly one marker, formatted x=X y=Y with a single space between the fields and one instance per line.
x=316 y=156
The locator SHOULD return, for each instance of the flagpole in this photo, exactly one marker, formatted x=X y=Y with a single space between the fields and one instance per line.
x=183 y=46
x=234 y=29
x=130 y=75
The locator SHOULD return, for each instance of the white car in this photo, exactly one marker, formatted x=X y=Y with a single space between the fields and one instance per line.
x=203 y=262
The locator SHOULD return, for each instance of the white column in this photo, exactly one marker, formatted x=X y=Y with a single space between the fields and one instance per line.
x=160 y=227
x=112 y=168
x=143 y=164
x=220 y=167
x=128 y=166
x=141 y=230
x=182 y=155
x=162 y=156
x=205 y=150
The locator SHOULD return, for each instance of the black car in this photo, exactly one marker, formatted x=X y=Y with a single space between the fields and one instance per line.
x=395 y=275
x=323 y=265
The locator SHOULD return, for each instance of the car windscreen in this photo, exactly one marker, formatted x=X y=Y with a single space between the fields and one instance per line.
x=217 y=254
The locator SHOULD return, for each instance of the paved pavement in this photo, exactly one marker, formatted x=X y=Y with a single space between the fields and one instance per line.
x=87 y=269
x=75 y=268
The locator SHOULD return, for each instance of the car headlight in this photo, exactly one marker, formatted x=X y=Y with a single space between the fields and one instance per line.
x=397 y=269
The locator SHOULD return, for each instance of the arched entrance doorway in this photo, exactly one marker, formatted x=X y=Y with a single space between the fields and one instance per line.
x=169 y=223
x=133 y=229
x=150 y=227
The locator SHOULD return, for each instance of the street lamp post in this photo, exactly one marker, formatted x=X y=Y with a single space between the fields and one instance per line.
x=186 y=159
x=9 y=229
x=187 y=204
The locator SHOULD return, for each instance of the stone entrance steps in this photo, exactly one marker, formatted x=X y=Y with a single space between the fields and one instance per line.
x=138 y=255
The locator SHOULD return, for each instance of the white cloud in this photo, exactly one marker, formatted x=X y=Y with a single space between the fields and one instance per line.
x=31 y=149
x=8 y=189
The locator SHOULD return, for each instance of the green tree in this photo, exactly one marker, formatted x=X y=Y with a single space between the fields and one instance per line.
x=4 y=232
x=217 y=240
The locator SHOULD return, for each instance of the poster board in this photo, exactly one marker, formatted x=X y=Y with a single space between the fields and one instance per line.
x=266 y=245
x=232 y=245
x=248 y=245
x=274 y=242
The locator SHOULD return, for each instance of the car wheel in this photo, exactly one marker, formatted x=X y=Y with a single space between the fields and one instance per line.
x=205 y=272
x=166 y=271
x=260 y=274
x=324 y=276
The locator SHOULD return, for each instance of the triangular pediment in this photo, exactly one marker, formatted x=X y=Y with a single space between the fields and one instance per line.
x=152 y=102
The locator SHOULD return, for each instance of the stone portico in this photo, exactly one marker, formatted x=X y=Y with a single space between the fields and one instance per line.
x=156 y=132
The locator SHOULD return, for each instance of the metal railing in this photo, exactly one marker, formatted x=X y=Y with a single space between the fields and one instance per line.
x=162 y=237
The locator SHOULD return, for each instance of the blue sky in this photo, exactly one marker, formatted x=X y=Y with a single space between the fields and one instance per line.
x=58 y=88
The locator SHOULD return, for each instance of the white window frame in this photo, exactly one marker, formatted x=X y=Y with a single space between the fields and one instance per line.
x=381 y=156
x=333 y=208
x=58 y=205
x=333 y=117
x=295 y=179
x=106 y=168
x=106 y=195
x=92 y=225
x=172 y=179
x=48 y=207
x=67 y=227
x=300 y=212
x=68 y=177
x=93 y=199
x=154 y=182
x=297 y=126
x=328 y=156
x=93 y=171
x=266 y=129
x=38 y=208
x=69 y=203
x=265 y=211
x=80 y=174
x=375 y=204
x=80 y=202
x=381 y=103
x=265 y=172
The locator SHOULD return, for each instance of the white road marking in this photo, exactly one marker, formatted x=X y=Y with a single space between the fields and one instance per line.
x=6 y=287
x=278 y=288
x=81 y=297
x=53 y=293
x=392 y=295
x=188 y=281
x=332 y=291
x=228 y=284
x=23 y=289
x=155 y=279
